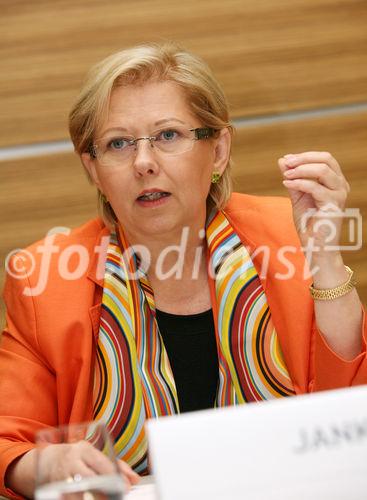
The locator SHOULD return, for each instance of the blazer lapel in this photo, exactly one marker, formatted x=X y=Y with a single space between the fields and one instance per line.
x=96 y=274
x=94 y=314
x=292 y=313
x=287 y=296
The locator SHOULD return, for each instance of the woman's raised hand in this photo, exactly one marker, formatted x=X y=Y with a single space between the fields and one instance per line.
x=318 y=191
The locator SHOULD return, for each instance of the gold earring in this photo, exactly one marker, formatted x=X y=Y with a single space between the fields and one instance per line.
x=215 y=177
x=104 y=198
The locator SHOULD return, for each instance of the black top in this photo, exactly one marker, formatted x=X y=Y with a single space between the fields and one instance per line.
x=192 y=351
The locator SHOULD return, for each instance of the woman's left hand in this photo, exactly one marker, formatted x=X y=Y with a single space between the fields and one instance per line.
x=318 y=192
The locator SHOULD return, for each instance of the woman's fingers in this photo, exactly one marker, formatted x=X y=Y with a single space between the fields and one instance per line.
x=127 y=472
x=319 y=172
x=96 y=460
x=293 y=160
x=320 y=194
x=61 y=461
x=101 y=464
x=79 y=469
x=78 y=460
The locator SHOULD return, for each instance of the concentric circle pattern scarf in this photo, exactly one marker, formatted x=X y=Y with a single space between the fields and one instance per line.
x=133 y=377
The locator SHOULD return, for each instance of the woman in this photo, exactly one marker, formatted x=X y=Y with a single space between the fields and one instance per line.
x=192 y=297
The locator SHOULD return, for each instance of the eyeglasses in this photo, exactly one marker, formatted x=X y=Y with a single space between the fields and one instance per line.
x=171 y=141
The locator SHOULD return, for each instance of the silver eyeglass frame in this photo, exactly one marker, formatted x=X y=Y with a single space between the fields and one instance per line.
x=200 y=133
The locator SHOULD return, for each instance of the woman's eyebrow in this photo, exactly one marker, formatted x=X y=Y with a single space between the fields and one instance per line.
x=157 y=123
x=112 y=129
x=165 y=120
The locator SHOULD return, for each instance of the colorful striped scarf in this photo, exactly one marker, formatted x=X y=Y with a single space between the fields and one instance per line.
x=133 y=377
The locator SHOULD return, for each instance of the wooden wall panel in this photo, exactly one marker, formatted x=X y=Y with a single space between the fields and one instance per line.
x=271 y=56
x=43 y=192
x=39 y=194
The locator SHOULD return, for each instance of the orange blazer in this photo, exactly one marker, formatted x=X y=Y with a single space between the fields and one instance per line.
x=48 y=345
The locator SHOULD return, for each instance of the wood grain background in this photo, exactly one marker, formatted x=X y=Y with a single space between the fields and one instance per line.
x=275 y=60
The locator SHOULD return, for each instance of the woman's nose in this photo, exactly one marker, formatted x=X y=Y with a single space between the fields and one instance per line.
x=145 y=160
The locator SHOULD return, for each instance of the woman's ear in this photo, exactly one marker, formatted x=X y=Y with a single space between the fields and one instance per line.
x=222 y=150
x=90 y=166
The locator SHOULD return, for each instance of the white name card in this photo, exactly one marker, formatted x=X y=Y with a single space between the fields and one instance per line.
x=311 y=447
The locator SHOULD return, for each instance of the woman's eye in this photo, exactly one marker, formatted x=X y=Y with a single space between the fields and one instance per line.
x=119 y=143
x=168 y=135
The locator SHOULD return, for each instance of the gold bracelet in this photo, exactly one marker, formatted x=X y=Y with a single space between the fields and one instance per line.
x=334 y=293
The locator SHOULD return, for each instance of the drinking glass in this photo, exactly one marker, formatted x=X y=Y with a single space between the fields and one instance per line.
x=79 y=486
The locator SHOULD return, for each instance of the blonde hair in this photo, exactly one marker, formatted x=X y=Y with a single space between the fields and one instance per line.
x=152 y=61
